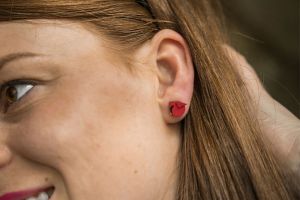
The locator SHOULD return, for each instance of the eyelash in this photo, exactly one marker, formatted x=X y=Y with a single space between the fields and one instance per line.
x=3 y=89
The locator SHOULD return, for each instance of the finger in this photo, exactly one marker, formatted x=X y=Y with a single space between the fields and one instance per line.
x=247 y=73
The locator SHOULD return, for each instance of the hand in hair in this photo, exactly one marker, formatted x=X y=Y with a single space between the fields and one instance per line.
x=280 y=127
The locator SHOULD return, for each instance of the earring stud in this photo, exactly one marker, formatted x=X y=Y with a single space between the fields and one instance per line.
x=177 y=108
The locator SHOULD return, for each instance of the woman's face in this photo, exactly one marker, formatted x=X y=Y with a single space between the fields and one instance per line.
x=77 y=120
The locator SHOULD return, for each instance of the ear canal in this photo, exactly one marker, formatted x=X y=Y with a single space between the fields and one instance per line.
x=177 y=108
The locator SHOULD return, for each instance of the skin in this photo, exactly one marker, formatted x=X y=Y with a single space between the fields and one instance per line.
x=89 y=127
x=280 y=127
x=85 y=97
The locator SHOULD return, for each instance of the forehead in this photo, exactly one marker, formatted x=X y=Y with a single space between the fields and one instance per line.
x=46 y=37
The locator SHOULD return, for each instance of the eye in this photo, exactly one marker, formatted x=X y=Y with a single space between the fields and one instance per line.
x=14 y=91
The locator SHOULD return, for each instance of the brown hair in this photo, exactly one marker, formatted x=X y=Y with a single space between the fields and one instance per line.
x=222 y=154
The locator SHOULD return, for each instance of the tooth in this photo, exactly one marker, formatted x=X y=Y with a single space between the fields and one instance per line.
x=43 y=196
x=31 y=198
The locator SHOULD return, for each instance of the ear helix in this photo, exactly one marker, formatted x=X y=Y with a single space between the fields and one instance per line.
x=177 y=108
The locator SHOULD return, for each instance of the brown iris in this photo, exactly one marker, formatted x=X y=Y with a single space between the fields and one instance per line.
x=11 y=94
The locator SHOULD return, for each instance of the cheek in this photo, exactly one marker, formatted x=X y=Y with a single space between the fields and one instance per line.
x=98 y=139
x=78 y=121
x=54 y=130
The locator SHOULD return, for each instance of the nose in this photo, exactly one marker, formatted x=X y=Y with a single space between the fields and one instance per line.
x=5 y=152
x=5 y=156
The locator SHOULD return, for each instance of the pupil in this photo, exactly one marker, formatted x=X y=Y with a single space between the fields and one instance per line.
x=11 y=94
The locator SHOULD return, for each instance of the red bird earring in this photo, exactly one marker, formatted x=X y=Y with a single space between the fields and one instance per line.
x=177 y=108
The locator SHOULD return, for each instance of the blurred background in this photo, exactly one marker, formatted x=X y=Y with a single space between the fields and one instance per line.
x=266 y=32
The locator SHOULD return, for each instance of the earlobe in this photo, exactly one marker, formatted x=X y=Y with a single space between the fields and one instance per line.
x=175 y=73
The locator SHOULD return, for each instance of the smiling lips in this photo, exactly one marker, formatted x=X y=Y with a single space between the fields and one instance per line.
x=34 y=194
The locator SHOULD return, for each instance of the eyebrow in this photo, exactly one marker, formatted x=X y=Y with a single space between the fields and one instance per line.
x=15 y=56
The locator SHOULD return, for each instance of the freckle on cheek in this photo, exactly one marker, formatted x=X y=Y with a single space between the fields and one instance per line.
x=46 y=179
x=135 y=171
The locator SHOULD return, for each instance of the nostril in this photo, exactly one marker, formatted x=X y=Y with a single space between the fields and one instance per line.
x=5 y=156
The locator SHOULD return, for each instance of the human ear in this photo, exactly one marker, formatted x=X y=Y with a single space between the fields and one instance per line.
x=175 y=72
